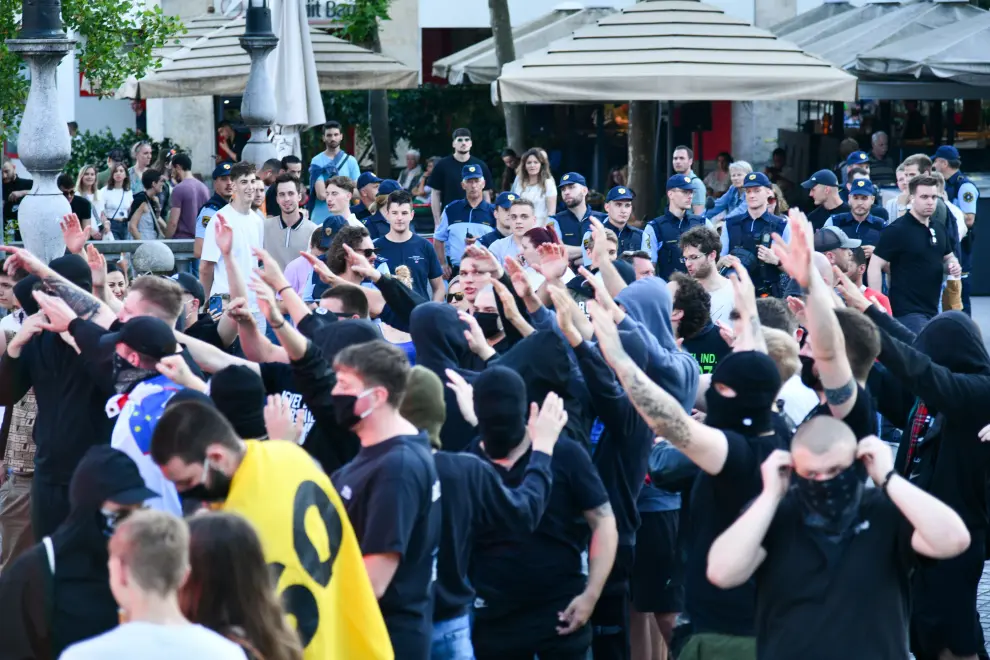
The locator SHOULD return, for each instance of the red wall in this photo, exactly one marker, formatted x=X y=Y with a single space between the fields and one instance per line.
x=718 y=139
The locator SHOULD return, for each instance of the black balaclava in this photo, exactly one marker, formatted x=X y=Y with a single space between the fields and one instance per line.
x=71 y=266
x=808 y=376
x=754 y=378
x=239 y=394
x=500 y=405
x=831 y=506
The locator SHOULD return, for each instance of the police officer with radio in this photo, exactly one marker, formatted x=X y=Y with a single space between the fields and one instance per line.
x=859 y=222
x=618 y=205
x=463 y=220
x=662 y=235
x=573 y=223
x=223 y=190
x=962 y=192
x=748 y=235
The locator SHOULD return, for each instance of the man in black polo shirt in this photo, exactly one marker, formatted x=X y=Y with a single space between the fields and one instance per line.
x=823 y=188
x=916 y=253
x=832 y=559
x=391 y=492
x=445 y=180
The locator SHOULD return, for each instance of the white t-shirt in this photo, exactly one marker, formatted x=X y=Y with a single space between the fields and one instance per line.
x=798 y=398
x=722 y=302
x=249 y=232
x=152 y=641
x=537 y=194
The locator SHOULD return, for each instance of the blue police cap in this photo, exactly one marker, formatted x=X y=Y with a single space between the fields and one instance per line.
x=619 y=193
x=331 y=226
x=471 y=171
x=388 y=186
x=505 y=199
x=223 y=169
x=572 y=178
x=948 y=152
x=821 y=178
x=757 y=180
x=857 y=158
x=679 y=182
x=366 y=178
x=862 y=187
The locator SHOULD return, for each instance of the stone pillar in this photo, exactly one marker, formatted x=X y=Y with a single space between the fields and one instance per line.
x=258 y=104
x=43 y=145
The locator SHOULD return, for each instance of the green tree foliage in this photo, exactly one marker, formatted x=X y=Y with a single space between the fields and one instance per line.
x=92 y=148
x=115 y=39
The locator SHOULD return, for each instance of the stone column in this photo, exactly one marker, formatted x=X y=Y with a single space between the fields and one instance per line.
x=258 y=103
x=43 y=144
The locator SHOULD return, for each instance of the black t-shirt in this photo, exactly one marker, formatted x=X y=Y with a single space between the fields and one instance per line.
x=707 y=348
x=391 y=492
x=82 y=208
x=916 y=254
x=514 y=573
x=278 y=379
x=446 y=177
x=856 y=608
x=862 y=419
x=716 y=502
x=271 y=201
x=820 y=215
x=10 y=208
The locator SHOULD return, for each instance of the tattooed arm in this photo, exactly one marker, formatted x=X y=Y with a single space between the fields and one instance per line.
x=705 y=446
x=828 y=347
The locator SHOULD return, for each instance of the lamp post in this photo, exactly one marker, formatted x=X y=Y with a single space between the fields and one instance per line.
x=258 y=104
x=43 y=143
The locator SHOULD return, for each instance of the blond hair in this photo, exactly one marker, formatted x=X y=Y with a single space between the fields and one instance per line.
x=783 y=350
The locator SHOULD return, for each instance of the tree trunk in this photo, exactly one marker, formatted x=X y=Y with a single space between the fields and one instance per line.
x=378 y=120
x=505 y=52
x=641 y=139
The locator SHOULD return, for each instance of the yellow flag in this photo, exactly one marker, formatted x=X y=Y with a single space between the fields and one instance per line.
x=310 y=547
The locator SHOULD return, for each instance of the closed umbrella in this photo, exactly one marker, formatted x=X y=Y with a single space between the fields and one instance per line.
x=293 y=67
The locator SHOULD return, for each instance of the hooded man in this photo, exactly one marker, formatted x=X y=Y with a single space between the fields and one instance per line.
x=58 y=592
x=239 y=393
x=532 y=595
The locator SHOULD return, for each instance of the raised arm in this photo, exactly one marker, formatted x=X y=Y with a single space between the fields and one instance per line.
x=610 y=276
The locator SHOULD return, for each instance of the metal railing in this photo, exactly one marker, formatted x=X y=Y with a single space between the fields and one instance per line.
x=182 y=248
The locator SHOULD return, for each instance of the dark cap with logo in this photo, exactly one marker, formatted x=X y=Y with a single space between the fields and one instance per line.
x=679 y=182
x=223 y=169
x=367 y=178
x=821 y=178
x=146 y=335
x=572 y=178
x=619 y=193
x=862 y=187
x=471 y=171
x=505 y=199
x=857 y=158
x=331 y=226
x=757 y=180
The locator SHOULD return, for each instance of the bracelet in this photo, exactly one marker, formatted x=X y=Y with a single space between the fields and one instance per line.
x=279 y=326
x=886 y=480
x=279 y=292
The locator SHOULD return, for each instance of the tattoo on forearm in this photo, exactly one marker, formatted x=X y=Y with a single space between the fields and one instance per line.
x=603 y=511
x=660 y=410
x=83 y=304
x=840 y=395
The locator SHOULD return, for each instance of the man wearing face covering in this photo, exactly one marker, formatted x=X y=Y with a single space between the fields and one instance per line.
x=533 y=598
x=729 y=449
x=58 y=592
x=832 y=559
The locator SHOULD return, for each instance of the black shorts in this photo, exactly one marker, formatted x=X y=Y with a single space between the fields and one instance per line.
x=943 y=596
x=657 y=581
x=529 y=632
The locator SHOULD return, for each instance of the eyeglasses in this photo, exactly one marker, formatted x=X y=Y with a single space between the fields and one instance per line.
x=457 y=295
x=368 y=253
x=694 y=257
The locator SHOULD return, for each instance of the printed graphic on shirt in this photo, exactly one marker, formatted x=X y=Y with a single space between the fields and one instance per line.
x=296 y=403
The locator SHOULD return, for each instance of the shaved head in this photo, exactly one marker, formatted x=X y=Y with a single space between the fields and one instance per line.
x=823 y=447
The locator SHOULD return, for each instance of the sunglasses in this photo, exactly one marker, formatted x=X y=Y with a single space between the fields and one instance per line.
x=771 y=200
x=458 y=296
x=368 y=253
x=934 y=239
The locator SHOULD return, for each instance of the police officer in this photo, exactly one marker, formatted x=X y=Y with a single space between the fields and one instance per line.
x=747 y=235
x=618 y=205
x=661 y=238
x=223 y=190
x=962 y=192
x=376 y=224
x=860 y=222
x=463 y=220
x=858 y=167
x=503 y=224
x=573 y=223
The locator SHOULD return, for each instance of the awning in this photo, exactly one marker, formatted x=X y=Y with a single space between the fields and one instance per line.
x=478 y=64
x=911 y=20
x=816 y=16
x=671 y=50
x=209 y=61
x=819 y=31
x=953 y=52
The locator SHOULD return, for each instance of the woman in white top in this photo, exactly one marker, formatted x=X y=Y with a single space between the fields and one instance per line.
x=86 y=186
x=899 y=205
x=535 y=183
x=116 y=200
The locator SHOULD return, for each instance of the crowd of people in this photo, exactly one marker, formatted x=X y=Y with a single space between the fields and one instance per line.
x=725 y=434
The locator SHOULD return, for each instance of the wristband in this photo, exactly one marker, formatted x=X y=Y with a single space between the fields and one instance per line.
x=279 y=326
x=279 y=292
x=886 y=480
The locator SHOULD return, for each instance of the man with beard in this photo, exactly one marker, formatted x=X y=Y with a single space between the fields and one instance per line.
x=859 y=221
x=332 y=161
x=618 y=205
x=699 y=249
x=870 y=541
x=857 y=269
x=445 y=180
x=823 y=188
x=572 y=223
x=277 y=487
x=836 y=246
x=661 y=238
x=935 y=387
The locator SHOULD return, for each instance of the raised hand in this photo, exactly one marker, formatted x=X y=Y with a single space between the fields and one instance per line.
x=475 y=337
x=360 y=264
x=322 y=270
x=72 y=233
x=487 y=262
x=553 y=261
x=239 y=311
x=600 y=247
x=795 y=257
x=744 y=293
x=266 y=300
x=465 y=396
x=851 y=294
x=281 y=422
x=97 y=266
x=546 y=422
x=602 y=296
x=270 y=272
x=518 y=276
x=566 y=310
x=224 y=235
x=776 y=471
x=21 y=259
x=605 y=332
x=174 y=368
x=59 y=314
x=877 y=457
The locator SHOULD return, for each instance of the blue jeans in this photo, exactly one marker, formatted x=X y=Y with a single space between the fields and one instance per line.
x=914 y=322
x=119 y=230
x=452 y=639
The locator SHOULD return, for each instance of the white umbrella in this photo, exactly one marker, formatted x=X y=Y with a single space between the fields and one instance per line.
x=293 y=67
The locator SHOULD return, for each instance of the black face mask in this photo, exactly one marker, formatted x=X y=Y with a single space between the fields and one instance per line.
x=343 y=409
x=214 y=489
x=808 y=376
x=489 y=323
x=737 y=414
x=832 y=505
x=109 y=521
x=500 y=439
x=126 y=376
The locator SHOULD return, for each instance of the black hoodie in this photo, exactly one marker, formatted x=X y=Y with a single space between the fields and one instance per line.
x=947 y=368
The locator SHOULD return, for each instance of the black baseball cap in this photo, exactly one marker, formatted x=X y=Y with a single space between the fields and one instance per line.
x=146 y=335
x=192 y=286
x=111 y=473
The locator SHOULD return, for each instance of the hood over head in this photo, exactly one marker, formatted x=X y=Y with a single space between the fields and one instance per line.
x=438 y=336
x=954 y=341
x=423 y=404
x=332 y=338
x=648 y=301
